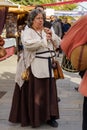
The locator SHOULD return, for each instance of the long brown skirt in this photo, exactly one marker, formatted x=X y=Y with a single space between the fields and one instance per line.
x=35 y=102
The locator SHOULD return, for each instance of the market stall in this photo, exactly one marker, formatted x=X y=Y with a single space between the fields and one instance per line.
x=13 y=22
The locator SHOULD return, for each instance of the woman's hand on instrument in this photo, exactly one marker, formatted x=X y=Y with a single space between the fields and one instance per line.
x=48 y=33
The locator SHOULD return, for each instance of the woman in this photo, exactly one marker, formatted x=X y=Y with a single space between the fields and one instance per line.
x=35 y=101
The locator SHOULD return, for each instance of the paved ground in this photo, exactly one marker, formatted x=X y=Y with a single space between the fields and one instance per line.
x=70 y=106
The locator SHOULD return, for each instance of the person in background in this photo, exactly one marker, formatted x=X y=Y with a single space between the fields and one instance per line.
x=66 y=25
x=74 y=45
x=84 y=122
x=60 y=21
x=35 y=100
x=46 y=23
x=56 y=25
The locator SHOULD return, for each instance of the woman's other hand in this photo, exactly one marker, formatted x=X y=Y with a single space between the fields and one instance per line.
x=48 y=33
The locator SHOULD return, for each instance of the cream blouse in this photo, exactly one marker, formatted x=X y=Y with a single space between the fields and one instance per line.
x=33 y=44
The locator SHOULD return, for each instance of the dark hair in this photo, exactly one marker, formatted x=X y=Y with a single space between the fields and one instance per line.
x=32 y=16
x=39 y=6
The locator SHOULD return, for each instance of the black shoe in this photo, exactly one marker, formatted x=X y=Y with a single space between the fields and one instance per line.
x=52 y=123
x=76 y=88
x=58 y=99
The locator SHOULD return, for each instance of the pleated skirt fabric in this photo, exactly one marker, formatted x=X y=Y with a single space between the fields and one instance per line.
x=35 y=102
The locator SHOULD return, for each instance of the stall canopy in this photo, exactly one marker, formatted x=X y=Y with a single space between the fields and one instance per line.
x=7 y=3
x=21 y=9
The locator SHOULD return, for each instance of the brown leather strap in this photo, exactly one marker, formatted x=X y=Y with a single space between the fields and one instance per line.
x=80 y=57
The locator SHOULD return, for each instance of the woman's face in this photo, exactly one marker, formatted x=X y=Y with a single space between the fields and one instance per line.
x=38 y=22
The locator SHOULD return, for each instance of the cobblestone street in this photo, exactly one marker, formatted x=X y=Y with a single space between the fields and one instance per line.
x=70 y=105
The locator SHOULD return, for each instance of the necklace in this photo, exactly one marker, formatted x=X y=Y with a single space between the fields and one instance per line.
x=40 y=34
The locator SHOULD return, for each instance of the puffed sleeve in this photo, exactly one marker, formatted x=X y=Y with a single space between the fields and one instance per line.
x=31 y=41
x=56 y=40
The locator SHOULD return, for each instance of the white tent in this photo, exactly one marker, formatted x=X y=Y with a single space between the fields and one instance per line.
x=70 y=13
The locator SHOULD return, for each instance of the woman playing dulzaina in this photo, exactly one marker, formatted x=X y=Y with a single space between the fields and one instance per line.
x=74 y=45
x=35 y=100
